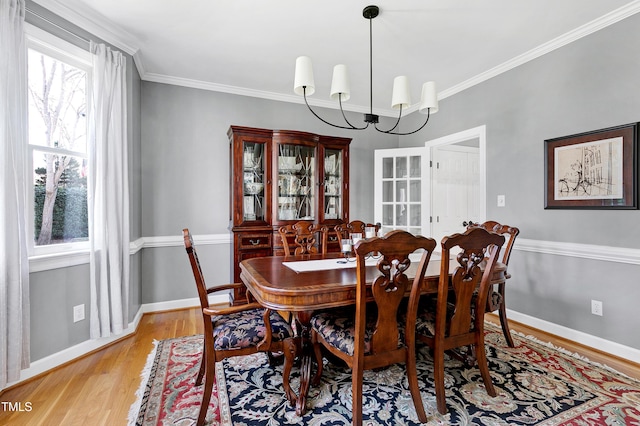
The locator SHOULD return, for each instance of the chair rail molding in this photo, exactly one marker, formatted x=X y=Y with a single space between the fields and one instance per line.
x=582 y=251
x=80 y=257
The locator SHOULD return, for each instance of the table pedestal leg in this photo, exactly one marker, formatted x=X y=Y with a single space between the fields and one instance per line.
x=306 y=354
x=305 y=382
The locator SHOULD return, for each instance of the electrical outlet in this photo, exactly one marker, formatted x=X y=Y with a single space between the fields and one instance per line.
x=78 y=313
x=501 y=200
x=596 y=307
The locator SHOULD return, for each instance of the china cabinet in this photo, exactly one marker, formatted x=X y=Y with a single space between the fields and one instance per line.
x=280 y=177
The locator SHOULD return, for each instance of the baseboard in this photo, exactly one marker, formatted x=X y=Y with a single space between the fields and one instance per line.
x=58 y=359
x=72 y=353
x=182 y=303
x=576 y=336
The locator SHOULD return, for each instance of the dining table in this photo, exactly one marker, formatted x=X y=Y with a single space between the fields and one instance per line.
x=307 y=283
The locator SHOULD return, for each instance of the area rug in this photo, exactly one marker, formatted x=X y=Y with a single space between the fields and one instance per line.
x=537 y=384
x=167 y=394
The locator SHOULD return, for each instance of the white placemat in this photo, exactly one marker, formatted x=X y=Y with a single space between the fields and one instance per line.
x=324 y=264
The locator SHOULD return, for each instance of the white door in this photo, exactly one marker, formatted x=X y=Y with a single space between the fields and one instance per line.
x=400 y=200
x=457 y=190
x=455 y=183
x=406 y=197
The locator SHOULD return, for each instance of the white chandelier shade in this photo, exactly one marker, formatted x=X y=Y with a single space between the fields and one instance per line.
x=400 y=99
x=303 y=80
x=340 y=83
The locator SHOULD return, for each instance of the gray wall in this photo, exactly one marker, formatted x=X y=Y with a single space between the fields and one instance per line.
x=587 y=85
x=185 y=174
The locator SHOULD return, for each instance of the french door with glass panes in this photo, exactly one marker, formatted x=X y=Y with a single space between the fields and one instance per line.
x=400 y=192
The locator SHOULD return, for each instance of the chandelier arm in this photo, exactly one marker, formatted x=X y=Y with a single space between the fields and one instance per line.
x=394 y=126
x=304 y=92
x=369 y=12
x=345 y=117
x=391 y=132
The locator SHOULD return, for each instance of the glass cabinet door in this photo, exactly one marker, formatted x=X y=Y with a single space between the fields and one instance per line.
x=333 y=184
x=296 y=178
x=399 y=189
x=253 y=166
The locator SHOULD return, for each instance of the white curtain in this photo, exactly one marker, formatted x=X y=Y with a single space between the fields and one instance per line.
x=108 y=189
x=14 y=260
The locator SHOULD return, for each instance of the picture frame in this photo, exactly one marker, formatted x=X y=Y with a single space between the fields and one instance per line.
x=593 y=170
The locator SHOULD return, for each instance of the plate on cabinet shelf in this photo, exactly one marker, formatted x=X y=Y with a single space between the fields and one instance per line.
x=253 y=188
x=288 y=164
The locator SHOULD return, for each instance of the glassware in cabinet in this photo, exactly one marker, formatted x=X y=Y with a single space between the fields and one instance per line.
x=296 y=181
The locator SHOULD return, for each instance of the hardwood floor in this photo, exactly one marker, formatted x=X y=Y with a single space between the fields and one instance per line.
x=98 y=389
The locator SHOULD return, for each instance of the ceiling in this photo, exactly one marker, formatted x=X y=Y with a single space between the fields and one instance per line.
x=249 y=47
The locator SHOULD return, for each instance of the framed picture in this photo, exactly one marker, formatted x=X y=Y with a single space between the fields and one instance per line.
x=593 y=170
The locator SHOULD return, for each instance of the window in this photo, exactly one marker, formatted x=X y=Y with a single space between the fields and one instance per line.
x=58 y=82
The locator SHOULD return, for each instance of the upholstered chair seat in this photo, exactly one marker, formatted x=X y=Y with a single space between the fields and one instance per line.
x=247 y=329
x=337 y=328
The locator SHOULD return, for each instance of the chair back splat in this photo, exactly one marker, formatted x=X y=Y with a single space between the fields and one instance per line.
x=304 y=238
x=457 y=319
x=369 y=335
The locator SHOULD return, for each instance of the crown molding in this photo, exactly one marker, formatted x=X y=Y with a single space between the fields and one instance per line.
x=93 y=22
x=273 y=96
x=576 y=34
x=567 y=38
x=100 y=26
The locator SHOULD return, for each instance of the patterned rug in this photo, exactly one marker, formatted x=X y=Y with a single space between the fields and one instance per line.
x=167 y=394
x=536 y=384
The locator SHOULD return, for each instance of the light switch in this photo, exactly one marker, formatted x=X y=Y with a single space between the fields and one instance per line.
x=501 y=201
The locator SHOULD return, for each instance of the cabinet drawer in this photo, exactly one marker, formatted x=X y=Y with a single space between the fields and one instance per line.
x=255 y=241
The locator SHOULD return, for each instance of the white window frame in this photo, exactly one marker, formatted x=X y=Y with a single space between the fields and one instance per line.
x=64 y=254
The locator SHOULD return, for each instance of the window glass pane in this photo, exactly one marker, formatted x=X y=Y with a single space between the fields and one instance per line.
x=401 y=191
x=415 y=215
x=387 y=168
x=414 y=171
x=60 y=210
x=414 y=191
x=57 y=103
x=401 y=214
x=387 y=215
x=387 y=191
x=401 y=167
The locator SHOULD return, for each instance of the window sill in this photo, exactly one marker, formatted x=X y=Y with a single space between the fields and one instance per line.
x=46 y=262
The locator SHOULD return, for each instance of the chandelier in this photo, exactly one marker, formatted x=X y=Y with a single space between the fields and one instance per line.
x=400 y=99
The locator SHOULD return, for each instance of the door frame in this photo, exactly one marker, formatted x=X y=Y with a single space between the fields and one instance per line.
x=479 y=133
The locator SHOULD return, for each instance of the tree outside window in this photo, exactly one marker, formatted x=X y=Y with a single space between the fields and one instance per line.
x=58 y=145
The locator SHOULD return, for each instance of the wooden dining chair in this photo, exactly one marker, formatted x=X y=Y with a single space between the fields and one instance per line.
x=342 y=231
x=237 y=330
x=369 y=335
x=457 y=319
x=303 y=235
x=496 y=300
